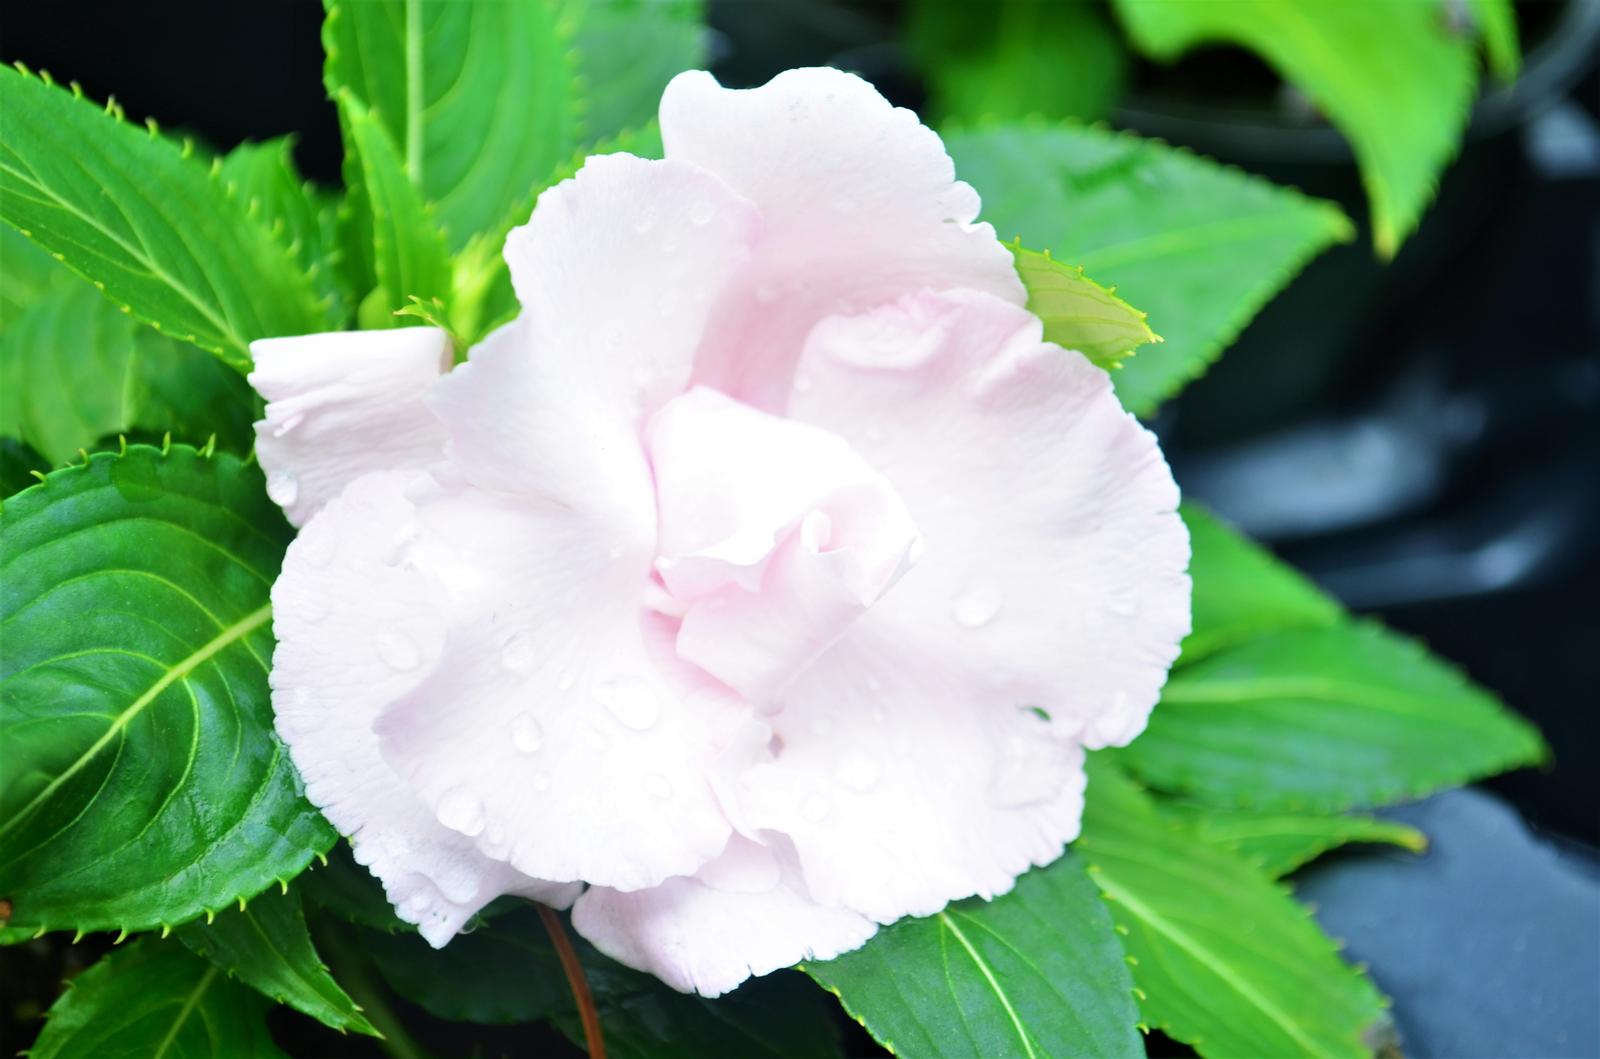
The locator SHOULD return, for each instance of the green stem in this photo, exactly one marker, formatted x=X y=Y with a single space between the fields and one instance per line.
x=350 y=971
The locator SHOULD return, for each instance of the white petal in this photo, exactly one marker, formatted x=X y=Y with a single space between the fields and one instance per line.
x=343 y=404
x=859 y=202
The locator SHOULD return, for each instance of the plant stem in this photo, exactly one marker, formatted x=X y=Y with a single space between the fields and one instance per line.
x=587 y=1013
x=350 y=971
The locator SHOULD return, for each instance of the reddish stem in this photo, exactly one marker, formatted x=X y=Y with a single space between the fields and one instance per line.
x=587 y=1012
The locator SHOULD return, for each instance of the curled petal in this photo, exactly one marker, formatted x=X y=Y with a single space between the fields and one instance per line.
x=341 y=405
x=859 y=202
x=354 y=632
x=742 y=914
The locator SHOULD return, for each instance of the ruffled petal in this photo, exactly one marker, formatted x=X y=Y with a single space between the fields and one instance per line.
x=859 y=202
x=355 y=632
x=742 y=914
x=343 y=404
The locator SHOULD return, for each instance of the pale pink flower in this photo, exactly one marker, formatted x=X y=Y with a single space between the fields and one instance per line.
x=764 y=582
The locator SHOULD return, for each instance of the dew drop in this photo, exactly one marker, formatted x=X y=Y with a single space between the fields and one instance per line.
x=541 y=781
x=526 y=735
x=976 y=608
x=631 y=702
x=517 y=653
x=400 y=544
x=460 y=810
x=398 y=651
x=857 y=772
x=815 y=808
x=282 y=488
x=287 y=425
x=658 y=786
x=700 y=213
x=566 y=682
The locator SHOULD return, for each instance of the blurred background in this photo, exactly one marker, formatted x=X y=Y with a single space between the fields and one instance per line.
x=1419 y=435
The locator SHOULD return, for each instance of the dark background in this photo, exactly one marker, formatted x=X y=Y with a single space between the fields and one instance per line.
x=1421 y=437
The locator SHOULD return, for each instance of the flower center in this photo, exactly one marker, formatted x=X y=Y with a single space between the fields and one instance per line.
x=774 y=536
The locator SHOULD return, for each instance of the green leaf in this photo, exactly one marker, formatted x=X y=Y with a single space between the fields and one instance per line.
x=144 y=784
x=409 y=259
x=126 y=209
x=477 y=98
x=1325 y=719
x=1224 y=960
x=1391 y=76
x=1497 y=22
x=18 y=462
x=1198 y=246
x=1078 y=313
x=627 y=51
x=1278 y=843
x=27 y=274
x=506 y=971
x=155 y=998
x=349 y=891
x=266 y=945
x=75 y=369
x=263 y=176
x=1241 y=590
x=1036 y=972
x=1017 y=58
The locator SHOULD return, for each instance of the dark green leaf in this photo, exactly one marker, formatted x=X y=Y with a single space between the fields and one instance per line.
x=125 y=208
x=1036 y=972
x=627 y=51
x=1078 y=313
x=349 y=891
x=1393 y=77
x=144 y=784
x=266 y=945
x=1278 y=843
x=1224 y=959
x=155 y=998
x=1241 y=590
x=18 y=461
x=477 y=98
x=1198 y=246
x=1325 y=719
x=75 y=369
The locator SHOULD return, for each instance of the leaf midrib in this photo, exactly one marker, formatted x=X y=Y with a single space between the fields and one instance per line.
x=994 y=983
x=183 y=1015
x=225 y=637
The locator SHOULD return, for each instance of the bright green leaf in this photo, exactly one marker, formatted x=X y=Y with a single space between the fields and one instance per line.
x=1078 y=313
x=126 y=209
x=1241 y=590
x=263 y=176
x=1198 y=246
x=1018 y=58
x=1392 y=76
x=627 y=51
x=1278 y=843
x=27 y=273
x=1224 y=960
x=1036 y=972
x=408 y=254
x=479 y=99
x=155 y=998
x=266 y=945
x=75 y=369
x=1497 y=22
x=144 y=783
x=1325 y=719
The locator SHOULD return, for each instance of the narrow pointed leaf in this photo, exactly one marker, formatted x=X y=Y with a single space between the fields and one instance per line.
x=155 y=998
x=1225 y=960
x=1278 y=843
x=1078 y=313
x=266 y=945
x=1325 y=719
x=143 y=784
x=1199 y=246
x=126 y=209
x=1036 y=972
x=263 y=176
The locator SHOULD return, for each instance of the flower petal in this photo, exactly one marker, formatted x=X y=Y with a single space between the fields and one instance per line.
x=859 y=202
x=354 y=633
x=342 y=404
x=740 y=915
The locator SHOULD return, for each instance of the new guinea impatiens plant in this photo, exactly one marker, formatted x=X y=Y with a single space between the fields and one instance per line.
x=679 y=541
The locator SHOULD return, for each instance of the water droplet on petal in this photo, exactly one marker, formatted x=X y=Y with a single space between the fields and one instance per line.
x=288 y=424
x=631 y=702
x=700 y=213
x=658 y=786
x=566 y=682
x=517 y=653
x=460 y=810
x=398 y=651
x=857 y=772
x=283 y=488
x=976 y=607
x=526 y=735
x=815 y=808
x=400 y=544
x=541 y=781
